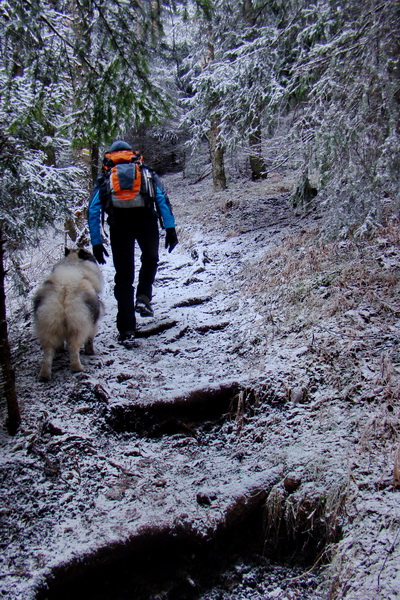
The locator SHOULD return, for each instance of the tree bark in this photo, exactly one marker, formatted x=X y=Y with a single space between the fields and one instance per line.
x=304 y=192
x=14 y=418
x=217 y=156
x=216 y=149
x=94 y=161
x=256 y=160
x=257 y=163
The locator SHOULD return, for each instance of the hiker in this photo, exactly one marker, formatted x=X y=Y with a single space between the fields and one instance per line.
x=135 y=200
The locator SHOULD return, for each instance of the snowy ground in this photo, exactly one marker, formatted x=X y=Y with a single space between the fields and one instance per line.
x=259 y=411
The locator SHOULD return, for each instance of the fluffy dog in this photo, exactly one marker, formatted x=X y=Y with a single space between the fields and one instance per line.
x=67 y=309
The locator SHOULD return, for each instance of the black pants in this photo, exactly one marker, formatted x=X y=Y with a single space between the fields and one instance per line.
x=128 y=226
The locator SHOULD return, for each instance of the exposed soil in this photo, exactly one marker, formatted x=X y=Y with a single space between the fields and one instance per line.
x=247 y=447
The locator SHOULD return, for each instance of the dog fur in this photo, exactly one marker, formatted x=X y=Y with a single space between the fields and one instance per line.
x=67 y=309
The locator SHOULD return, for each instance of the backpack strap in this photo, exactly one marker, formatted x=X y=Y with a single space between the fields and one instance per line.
x=148 y=185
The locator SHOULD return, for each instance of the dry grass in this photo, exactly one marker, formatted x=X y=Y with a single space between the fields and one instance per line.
x=335 y=276
x=341 y=299
x=306 y=279
x=307 y=519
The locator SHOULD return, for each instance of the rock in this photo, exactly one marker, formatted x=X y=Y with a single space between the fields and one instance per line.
x=291 y=484
x=298 y=395
x=205 y=498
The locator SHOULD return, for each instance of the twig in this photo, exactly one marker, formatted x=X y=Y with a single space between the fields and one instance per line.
x=396 y=468
x=386 y=558
x=120 y=467
x=205 y=174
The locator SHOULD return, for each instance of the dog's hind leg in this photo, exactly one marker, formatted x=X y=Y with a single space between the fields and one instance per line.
x=74 y=359
x=45 y=369
x=89 y=348
x=89 y=344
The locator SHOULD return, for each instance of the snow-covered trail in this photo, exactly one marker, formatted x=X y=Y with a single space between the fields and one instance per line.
x=197 y=299
x=86 y=486
x=188 y=432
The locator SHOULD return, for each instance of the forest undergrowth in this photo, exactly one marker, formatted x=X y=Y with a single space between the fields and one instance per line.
x=341 y=296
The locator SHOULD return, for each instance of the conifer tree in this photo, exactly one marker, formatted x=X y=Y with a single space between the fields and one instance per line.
x=70 y=73
x=229 y=93
x=34 y=191
x=113 y=41
x=342 y=74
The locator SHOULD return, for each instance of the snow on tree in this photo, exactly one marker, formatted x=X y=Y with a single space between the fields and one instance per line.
x=343 y=78
x=231 y=79
x=331 y=67
x=70 y=74
x=34 y=190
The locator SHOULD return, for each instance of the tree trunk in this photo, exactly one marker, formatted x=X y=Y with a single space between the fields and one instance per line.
x=94 y=161
x=216 y=149
x=14 y=419
x=257 y=163
x=304 y=192
x=217 y=156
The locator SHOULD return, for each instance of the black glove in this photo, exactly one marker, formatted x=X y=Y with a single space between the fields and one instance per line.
x=99 y=251
x=171 y=239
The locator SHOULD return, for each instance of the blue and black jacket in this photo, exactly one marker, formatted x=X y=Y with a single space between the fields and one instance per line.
x=95 y=210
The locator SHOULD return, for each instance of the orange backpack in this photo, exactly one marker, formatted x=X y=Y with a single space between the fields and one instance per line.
x=128 y=183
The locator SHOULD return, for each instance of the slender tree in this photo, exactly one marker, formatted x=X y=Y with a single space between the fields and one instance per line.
x=201 y=107
x=14 y=418
x=214 y=133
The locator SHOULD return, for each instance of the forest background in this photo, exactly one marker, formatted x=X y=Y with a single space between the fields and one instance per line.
x=235 y=89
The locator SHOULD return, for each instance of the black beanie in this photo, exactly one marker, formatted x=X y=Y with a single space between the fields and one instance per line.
x=119 y=145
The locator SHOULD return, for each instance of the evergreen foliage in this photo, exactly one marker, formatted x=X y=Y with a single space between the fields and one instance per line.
x=344 y=81
x=34 y=190
x=71 y=73
x=237 y=85
x=329 y=69
x=77 y=73
x=113 y=42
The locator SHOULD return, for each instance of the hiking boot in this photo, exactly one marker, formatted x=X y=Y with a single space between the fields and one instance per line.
x=127 y=339
x=143 y=307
